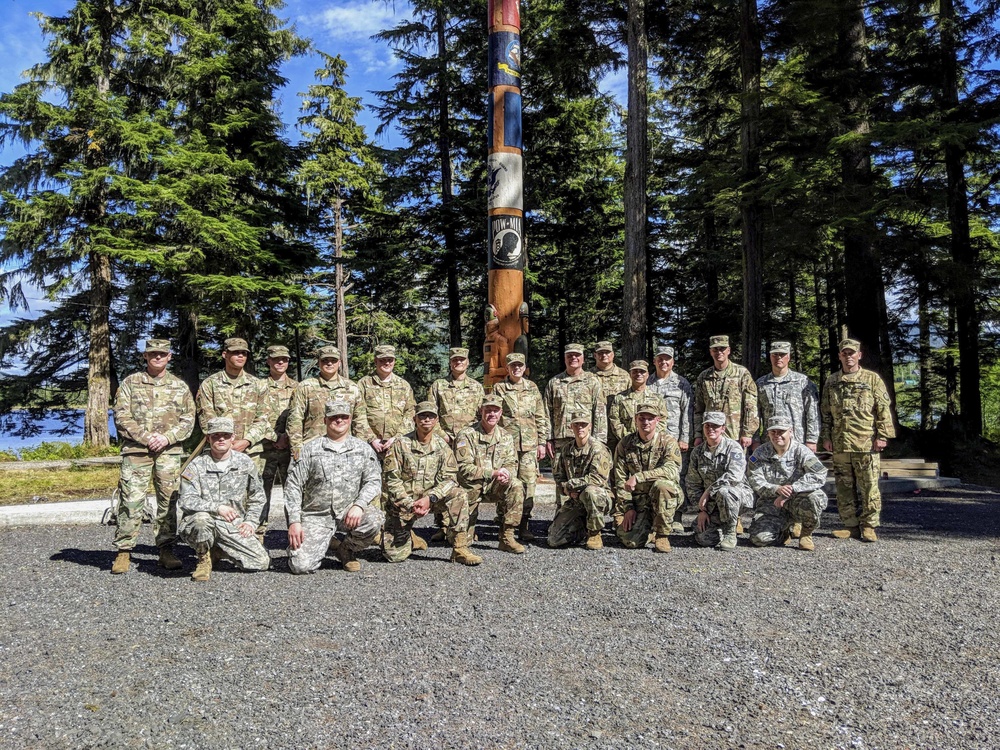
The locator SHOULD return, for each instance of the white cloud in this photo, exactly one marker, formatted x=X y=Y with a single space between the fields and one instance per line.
x=353 y=22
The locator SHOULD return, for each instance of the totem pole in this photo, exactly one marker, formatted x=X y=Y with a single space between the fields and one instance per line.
x=506 y=313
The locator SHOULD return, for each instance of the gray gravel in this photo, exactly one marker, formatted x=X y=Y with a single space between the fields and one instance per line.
x=856 y=646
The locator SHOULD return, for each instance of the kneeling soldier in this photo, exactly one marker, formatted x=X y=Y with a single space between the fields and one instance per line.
x=787 y=480
x=332 y=487
x=421 y=475
x=716 y=477
x=647 y=476
x=487 y=468
x=221 y=498
x=581 y=473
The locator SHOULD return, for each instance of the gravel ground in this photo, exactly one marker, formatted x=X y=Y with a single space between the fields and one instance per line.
x=891 y=645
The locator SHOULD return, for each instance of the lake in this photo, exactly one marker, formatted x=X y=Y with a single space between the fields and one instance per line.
x=65 y=425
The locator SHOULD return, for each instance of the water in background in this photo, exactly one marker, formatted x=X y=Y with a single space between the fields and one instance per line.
x=65 y=425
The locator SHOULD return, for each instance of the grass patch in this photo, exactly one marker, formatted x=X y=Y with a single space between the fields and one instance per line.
x=52 y=485
x=58 y=451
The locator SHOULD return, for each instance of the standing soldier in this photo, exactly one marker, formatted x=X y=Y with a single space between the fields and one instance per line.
x=621 y=415
x=729 y=388
x=388 y=400
x=717 y=478
x=222 y=497
x=857 y=423
x=571 y=392
x=421 y=475
x=276 y=452
x=307 y=412
x=677 y=394
x=582 y=473
x=487 y=468
x=235 y=393
x=647 y=481
x=526 y=419
x=612 y=378
x=154 y=414
x=786 y=393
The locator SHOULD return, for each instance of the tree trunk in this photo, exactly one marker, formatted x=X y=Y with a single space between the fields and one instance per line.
x=634 y=319
x=447 y=191
x=338 y=253
x=188 y=353
x=714 y=318
x=924 y=347
x=950 y=372
x=95 y=421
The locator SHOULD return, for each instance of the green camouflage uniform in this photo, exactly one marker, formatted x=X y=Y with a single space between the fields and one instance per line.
x=731 y=391
x=413 y=469
x=389 y=407
x=525 y=417
x=565 y=396
x=276 y=461
x=322 y=485
x=856 y=410
x=613 y=381
x=306 y=416
x=205 y=485
x=723 y=472
x=656 y=463
x=457 y=402
x=794 y=396
x=621 y=415
x=144 y=405
x=478 y=456
x=585 y=470
x=768 y=471
x=243 y=399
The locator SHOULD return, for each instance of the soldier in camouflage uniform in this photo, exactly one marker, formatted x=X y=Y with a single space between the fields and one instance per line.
x=235 y=393
x=678 y=419
x=525 y=417
x=570 y=392
x=784 y=392
x=332 y=487
x=306 y=412
x=857 y=423
x=276 y=452
x=154 y=414
x=612 y=378
x=621 y=414
x=221 y=499
x=729 y=388
x=787 y=481
x=420 y=475
x=487 y=468
x=716 y=480
x=583 y=474
x=646 y=481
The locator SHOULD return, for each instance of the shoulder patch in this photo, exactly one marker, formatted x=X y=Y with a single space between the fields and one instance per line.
x=187 y=475
x=753 y=459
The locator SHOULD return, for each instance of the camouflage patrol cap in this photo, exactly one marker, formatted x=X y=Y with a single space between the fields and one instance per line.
x=325 y=352
x=852 y=344
x=665 y=351
x=515 y=357
x=385 y=351
x=779 y=423
x=220 y=424
x=573 y=349
x=427 y=407
x=458 y=351
x=649 y=407
x=604 y=346
x=718 y=341
x=236 y=345
x=337 y=408
x=157 y=345
x=579 y=417
x=638 y=364
x=491 y=400
x=780 y=347
x=714 y=417
x=277 y=350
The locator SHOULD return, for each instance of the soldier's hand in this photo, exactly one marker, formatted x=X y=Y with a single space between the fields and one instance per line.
x=540 y=453
x=240 y=446
x=157 y=442
x=574 y=494
x=746 y=442
x=630 y=484
x=246 y=529
x=683 y=446
x=421 y=506
x=628 y=519
x=811 y=446
x=702 y=521
x=828 y=446
x=785 y=491
x=697 y=442
x=295 y=535
x=353 y=517
x=502 y=476
x=879 y=444
x=228 y=512
x=377 y=445
x=387 y=444
x=550 y=448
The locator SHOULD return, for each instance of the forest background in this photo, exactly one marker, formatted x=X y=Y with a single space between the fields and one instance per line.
x=776 y=169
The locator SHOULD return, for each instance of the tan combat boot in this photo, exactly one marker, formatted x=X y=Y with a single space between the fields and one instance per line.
x=594 y=540
x=661 y=543
x=122 y=562
x=728 y=541
x=795 y=530
x=851 y=532
x=508 y=543
x=416 y=541
x=168 y=559
x=806 y=539
x=346 y=557
x=203 y=570
x=868 y=534
x=739 y=526
x=461 y=553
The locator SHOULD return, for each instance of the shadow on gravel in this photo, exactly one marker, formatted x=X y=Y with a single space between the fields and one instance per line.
x=144 y=559
x=962 y=513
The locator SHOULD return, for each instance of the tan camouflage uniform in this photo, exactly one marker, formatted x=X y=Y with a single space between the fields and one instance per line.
x=656 y=463
x=144 y=405
x=306 y=418
x=621 y=415
x=586 y=470
x=723 y=472
x=389 y=407
x=244 y=399
x=613 y=381
x=731 y=391
x=565 y=396
x=457 y=402
x=478 y=456
x=768 y=471
x=526 y=419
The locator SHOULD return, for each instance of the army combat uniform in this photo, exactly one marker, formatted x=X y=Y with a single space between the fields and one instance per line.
x=678 y=396
x=722 y=471
x=585 y=470
x=731 y=391
x=306 y=418
x=389 y=407
x=621 y=415
x=566 y=395
x=804 y=472
x=794 y=396
x=478 y=456
x=457 y=403
x=244 y=399
x=613 y=381
x=275 y=460
x=322 y=485
x=656 y=464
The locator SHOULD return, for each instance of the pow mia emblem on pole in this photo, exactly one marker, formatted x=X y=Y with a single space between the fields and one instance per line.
x=506 y=242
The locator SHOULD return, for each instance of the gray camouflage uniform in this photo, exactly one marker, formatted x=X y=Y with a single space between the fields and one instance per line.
x=676 y=392
x=322 y=485
x=768 y=471
x=794 y=396
x=722 y=471
x=586 y=470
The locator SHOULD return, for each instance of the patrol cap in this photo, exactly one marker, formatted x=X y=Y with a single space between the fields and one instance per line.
x=853 y=344
x=515 y=357
x=427 y=407
x=713 y=417
x=157 y=345
x=327 y=351
x=337 y=408
x=220 y=424
x=491 y=400
x=278 y=351
x=573 y=349
x=385 y=351
x=718 y=341
x=639 y=364
x=648 y=407
x=236 y=345
x=458 y=351
x=665 y=351
x=604 y=346
x=780 y=347
x=779 y=423
x=579 y=417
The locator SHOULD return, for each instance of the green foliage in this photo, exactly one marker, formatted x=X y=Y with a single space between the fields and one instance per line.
x=56 y=451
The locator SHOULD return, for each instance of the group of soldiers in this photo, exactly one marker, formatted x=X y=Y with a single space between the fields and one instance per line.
x=363 y=460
